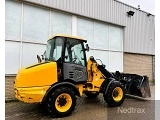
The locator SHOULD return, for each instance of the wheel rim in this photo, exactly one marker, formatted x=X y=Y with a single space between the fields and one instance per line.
x=117 y=94
x=63 y=102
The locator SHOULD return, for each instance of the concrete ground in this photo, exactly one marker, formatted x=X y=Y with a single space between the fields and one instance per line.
x=87 y=109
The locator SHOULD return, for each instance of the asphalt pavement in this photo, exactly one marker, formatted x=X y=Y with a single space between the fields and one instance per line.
x=86 y=109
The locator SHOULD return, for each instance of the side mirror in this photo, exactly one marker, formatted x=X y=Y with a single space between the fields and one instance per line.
x=42 y=57
x=39 y=59
x=87 y=47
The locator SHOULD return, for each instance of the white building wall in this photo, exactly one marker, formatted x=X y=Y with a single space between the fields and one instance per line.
x=28 y=28
x=139 y=28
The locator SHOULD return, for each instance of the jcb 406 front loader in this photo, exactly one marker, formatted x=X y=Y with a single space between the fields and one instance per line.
x=65 y=74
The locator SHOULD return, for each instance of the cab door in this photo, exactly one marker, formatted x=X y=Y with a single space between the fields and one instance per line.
x=74 y=66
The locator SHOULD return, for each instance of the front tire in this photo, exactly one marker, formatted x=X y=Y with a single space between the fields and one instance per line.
x=61 y=102
x=115 y=95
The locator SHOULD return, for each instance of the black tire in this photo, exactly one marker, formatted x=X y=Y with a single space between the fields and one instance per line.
x=115 y=95
x=91 y=94
x=61 y=102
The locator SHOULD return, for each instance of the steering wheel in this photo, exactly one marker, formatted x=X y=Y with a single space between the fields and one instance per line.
x=74 y=59
x=80 y=63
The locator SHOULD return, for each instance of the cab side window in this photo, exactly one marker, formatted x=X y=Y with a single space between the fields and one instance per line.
x=74 y=52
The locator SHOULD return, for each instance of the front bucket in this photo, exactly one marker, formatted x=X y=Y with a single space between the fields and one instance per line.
x=145 y=88
x=135 y=85
x=139 y=86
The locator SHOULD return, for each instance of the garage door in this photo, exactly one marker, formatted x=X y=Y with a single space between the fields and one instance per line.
x=105 y=41
x=27 y=32
x=28 y=29
x=138 y=64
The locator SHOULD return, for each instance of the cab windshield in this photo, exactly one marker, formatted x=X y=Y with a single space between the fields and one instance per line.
x=54 y=49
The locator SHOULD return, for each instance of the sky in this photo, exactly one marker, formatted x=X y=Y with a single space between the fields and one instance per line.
x=145 y=5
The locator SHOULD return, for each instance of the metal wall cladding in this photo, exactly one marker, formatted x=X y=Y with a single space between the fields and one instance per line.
x=139 y=29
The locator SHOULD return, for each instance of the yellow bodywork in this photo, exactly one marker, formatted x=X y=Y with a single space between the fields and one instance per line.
x=32 y=82
x=95 y=77
x=31 y=94
x=80 y=88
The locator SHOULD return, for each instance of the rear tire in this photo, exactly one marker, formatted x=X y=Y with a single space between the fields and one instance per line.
x=115 y=95
x=61 y=102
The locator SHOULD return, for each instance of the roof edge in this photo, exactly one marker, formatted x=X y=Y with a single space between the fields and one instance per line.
x=68 y=36
x=133 y=7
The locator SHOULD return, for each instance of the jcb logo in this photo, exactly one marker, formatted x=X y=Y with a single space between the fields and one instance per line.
x=78 y=74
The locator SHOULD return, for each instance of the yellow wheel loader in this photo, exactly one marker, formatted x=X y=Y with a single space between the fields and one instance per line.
x=65 y=74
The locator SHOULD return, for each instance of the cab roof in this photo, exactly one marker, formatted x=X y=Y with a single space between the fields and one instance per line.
x=67 y=36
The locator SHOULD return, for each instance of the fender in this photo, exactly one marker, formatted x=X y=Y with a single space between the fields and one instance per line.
x=60 y=84
x=111 y=80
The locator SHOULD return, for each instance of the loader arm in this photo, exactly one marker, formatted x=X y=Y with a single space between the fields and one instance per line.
x=95 y=76
x=102 y=81
x=98 y=76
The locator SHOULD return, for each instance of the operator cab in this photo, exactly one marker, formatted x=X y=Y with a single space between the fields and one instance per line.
x=69 y=54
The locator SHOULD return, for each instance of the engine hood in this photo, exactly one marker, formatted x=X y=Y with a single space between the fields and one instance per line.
x=43 y=74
